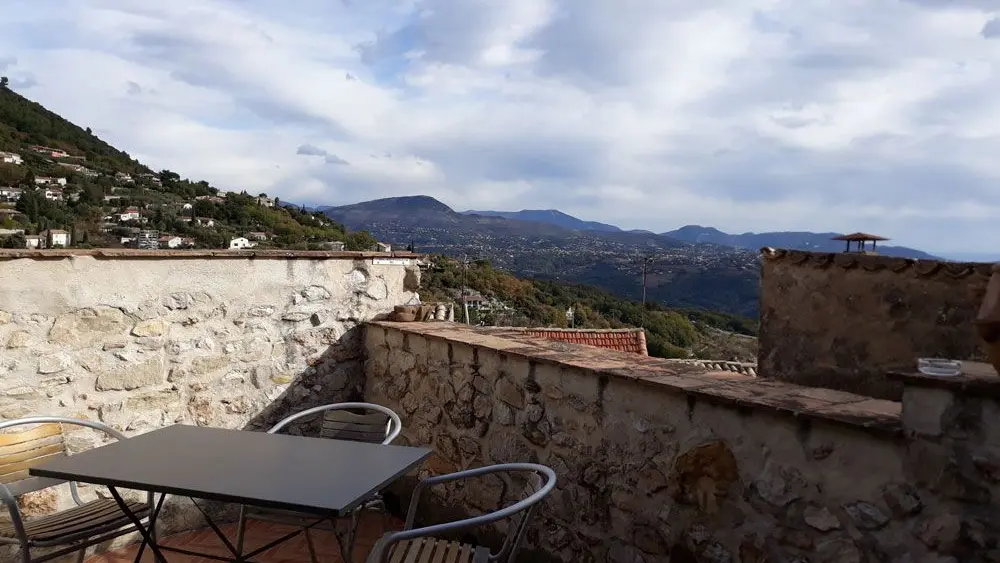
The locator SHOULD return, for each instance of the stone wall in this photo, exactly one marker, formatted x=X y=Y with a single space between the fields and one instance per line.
x=657 y=459
x=843 y=320
x=140 y=340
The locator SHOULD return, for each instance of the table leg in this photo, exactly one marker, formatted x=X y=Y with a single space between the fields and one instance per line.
x=155 y=511
x=147 y=538
x=237 y=553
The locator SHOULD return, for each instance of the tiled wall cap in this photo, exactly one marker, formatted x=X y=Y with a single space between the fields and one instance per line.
x=874 y=263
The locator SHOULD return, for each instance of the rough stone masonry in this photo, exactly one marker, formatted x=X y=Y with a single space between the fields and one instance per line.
x=146 y=339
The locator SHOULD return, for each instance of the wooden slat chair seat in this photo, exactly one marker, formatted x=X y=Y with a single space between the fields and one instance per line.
x=346 y=425
x=431 y=550
x=74 y=529
x=420 y=545
x=93 y=517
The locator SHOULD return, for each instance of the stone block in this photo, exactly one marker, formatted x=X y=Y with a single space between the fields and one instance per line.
x=508 y=392
x=152 y=327
x=86 y=327
x=143 y=372
x=19 y=339
x=924 y=409
x=54 y=363
x=462 y=356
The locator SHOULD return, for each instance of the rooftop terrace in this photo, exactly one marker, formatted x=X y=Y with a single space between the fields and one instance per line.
x=830 y=450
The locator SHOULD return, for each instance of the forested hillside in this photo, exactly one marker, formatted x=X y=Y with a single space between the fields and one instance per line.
x=510 y=301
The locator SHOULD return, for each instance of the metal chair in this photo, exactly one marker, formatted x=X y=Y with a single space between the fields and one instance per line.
x=75 y=529
x=419 y=544
x=380 y=425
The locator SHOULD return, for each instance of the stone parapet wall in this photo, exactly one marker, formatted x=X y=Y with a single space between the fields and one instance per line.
x=659 y=459
x=139 y=340
x=843 y=320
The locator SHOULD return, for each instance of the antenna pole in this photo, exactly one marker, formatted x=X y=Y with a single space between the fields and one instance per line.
x=646 y=261
x=465 y=283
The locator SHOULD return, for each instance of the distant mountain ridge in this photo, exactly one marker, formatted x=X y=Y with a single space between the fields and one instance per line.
x=794 y=240
x=550 y=216
x=705 y=276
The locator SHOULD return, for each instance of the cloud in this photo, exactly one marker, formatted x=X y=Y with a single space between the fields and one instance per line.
x=310 y=150
x=749 y=115
x=991 y=30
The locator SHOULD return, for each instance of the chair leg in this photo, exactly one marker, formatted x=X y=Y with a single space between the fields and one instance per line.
x=241 y=525
x=352 y=532
x=25 y=554
x=312 y=548
x=81 y=555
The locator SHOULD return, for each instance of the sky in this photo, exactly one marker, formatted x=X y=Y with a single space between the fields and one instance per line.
x=746 y=115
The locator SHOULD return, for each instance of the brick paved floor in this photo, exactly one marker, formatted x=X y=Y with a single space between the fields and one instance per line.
x=372 y=527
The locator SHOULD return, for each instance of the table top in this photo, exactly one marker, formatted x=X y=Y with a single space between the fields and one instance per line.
x=312 y=475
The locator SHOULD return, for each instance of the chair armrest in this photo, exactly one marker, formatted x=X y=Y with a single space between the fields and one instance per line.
x=411 y=513
x=15 y=513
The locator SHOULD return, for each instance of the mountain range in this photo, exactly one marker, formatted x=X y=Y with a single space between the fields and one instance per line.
x=680 y=274
x=798 y=240
x=693 y=266
x=550 y=216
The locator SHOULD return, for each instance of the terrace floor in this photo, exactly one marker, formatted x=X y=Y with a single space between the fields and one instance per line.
x=371 y=528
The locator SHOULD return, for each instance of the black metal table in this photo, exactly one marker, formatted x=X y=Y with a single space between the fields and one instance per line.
x=316 y=476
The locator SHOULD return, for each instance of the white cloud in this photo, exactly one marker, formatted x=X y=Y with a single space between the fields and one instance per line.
x=743 y=114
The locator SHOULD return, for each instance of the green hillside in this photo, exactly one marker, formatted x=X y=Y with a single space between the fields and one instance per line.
x=670 y=333
x=101 y=183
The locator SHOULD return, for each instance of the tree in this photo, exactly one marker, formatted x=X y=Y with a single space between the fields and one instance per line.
x=359 y=241
x=12 y=175
x=167 y=176
x=4 y=81
x=13 y=241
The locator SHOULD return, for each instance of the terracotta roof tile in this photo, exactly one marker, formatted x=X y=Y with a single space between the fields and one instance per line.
x=632 y=340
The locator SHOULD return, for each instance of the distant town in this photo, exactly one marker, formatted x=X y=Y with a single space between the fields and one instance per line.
x=128 y=213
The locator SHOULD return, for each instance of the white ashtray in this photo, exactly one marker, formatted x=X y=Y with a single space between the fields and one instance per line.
x=939 y=367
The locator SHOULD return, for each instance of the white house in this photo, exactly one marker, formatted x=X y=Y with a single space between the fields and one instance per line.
x=382 y=247
x=56 y=238
x=265 y=201
x=130 y=214
x=170 y=241
x=257 y=235
x=33 y=241
x=10 y=194
x=52 y=194
x=204 y=221
x=239 y=243
x=186 y=206
x=47 y=180
x=122 y=176
x=10 y=158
